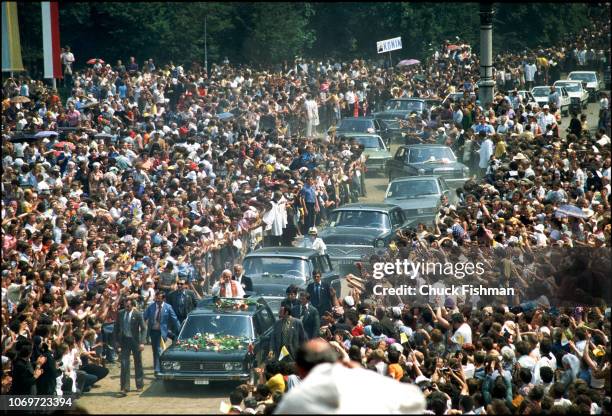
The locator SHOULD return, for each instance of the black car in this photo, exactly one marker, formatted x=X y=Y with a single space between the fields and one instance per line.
x=369 y=125
x=222 y=339
x=400 y=109
x=428 y=159
x=273 y=269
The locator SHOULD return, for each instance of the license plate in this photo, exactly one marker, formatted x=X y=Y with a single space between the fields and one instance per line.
x=201 y=381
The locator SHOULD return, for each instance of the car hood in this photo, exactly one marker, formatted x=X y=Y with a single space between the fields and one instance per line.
x=429 y=201
x=174 y=353
x=351 y=235
x=391 y=114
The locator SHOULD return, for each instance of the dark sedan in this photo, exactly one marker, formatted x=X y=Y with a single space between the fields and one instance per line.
x=222 y=339
x=400 y=109
x=367 y=125
x=428 y=159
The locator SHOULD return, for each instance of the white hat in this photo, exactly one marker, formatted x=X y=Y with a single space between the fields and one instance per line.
x=349 y=301
x=546 y=107
x=313 y=230
x=76 y=255
x=539 y=228
x=519 y=156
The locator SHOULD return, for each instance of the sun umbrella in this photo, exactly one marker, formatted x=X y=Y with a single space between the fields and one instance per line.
x=570 y=211
x=20 y=99
x=62 y=144
x=24 y=138
x=103 y=136
x=225 y=116
x=452 y=47
x=43 y=134
x=408 y=62
x=94 y=60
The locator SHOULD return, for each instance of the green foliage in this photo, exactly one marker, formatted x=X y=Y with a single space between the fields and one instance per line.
x=268 y=33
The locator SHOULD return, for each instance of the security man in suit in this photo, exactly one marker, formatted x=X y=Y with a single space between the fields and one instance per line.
x=159 y=316
x=130 y=333
x=182 y=301
x=309 y=316
x=245 y=281
x=287 y=332
x=322 y=295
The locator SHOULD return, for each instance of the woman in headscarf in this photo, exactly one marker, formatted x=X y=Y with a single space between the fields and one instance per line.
x=571 y=367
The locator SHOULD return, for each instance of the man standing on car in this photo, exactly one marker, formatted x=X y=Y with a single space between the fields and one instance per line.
x=226 y=287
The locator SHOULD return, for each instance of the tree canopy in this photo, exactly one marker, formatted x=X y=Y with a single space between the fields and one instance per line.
x=269 y=33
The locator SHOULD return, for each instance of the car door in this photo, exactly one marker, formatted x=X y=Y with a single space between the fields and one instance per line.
x=263 y=321
x=397 y=163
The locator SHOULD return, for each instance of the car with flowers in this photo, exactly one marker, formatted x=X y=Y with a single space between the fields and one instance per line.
x=222 y=339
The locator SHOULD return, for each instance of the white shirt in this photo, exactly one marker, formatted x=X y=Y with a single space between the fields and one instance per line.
x=485 y=152
x=316 y=244
x=216 y=289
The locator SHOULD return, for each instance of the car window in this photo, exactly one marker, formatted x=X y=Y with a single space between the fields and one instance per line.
x=442 y=184
x=412 y=188
x=401 y=153
x=396 y=219
x=262 y=321
x=272 y=266
x=234 y=325
x=433 y=154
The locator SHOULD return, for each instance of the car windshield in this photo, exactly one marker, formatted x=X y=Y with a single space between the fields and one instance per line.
x=412 y=189
x=582 y=77
x=404 y=105
x=355 y=125
x=276 y=267
x=369 y=142
x=355 y=218
x=541 y=92
x=431 y=154
x=235 y=325
x=570 y=87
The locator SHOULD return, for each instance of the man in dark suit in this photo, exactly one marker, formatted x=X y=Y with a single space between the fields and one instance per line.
x=182 y=301
x=287 y=332
x=322 y=295
x=47 y=382
x=24 y=376
x=309 y=316
x=159 y=316
x=130 y=334
x=245 y=281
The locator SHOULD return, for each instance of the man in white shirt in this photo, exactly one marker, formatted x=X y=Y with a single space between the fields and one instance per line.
x=314 y=242
x=485 y=152
x=545 y=118
x=226 y=287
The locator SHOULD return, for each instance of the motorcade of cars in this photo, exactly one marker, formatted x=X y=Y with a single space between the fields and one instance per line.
x=541 y=93
x=369 y=125
x=591 y=82
x=376 y=151
x=579 y=97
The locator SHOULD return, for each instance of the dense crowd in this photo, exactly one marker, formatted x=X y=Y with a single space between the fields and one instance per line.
x=148 y=179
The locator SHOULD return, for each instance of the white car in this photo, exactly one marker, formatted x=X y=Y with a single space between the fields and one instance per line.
x=541 y=93
x=593 y=83
x=526 y=97
x=579 y=97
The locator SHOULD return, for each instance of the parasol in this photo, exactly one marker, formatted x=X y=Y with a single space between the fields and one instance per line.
x=23 y=138
x=43 y=134
x=225 y=116
x=62 y=144
x=94 y=60
x=409 y=62
x=20 y=99
x=103 y=136
x=570 y=211
x=452 y=47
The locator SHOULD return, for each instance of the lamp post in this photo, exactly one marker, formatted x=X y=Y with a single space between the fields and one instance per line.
x=205 y=45
x=486 y=84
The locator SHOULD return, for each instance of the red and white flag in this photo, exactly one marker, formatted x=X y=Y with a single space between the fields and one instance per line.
x=51 y=40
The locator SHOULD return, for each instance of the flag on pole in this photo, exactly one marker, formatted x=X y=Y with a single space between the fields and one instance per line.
x=284 y=352
x=403 y=338
x=11 y=45
x=51 y=39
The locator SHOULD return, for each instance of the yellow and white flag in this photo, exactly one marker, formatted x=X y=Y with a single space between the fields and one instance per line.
x=284 y=352
x=403 y=338
x=224 y=407
x=162 y=344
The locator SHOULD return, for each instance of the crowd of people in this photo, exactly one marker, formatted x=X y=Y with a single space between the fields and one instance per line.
x=149 y=181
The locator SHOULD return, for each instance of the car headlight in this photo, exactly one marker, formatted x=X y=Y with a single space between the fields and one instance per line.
x=421 y=171
x=170 y=365
x=232 y=366
x=380 y=243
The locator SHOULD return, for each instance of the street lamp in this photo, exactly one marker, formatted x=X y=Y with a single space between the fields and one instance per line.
x=486 y=84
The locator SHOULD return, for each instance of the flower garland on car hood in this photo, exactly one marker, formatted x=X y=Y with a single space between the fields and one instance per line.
x=212 y=342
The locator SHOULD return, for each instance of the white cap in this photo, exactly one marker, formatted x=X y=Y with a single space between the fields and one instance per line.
x=546 y=107
x=349 y=301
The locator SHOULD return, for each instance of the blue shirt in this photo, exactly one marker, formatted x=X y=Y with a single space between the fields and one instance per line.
x=309 y=194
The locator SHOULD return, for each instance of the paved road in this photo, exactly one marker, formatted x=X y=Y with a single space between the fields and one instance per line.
x=189 y=398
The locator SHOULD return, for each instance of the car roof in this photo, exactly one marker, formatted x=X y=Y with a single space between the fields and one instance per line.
x=423 y=146
x=283 y=252
x=356 y=133
x=414 y=178
x=367 y=207
x=567 y=81
x=358 y=118
x=582 y=72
